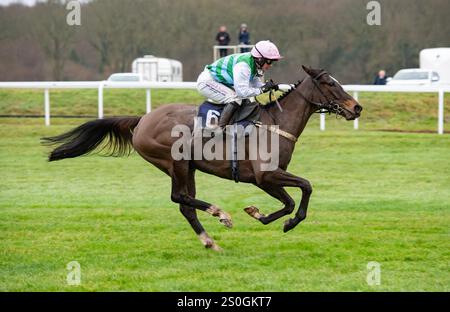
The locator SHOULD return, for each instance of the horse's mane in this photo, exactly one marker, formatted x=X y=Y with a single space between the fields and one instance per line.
x=286 y=93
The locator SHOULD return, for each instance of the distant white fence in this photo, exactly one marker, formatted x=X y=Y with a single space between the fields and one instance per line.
x=101 y=85
x=440 y=90
x=230 y=48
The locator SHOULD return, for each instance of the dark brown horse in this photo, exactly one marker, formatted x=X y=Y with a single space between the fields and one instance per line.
x=151 y=136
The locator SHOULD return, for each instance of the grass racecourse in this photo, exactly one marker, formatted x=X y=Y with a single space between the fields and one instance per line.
x=379 y=196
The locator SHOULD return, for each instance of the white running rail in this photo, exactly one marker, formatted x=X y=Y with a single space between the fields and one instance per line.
x=101 y=85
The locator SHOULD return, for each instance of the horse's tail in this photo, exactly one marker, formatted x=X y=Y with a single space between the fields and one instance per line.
x=87 y=137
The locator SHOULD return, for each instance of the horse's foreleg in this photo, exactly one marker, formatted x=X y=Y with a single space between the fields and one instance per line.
x=289 y=179
x=279 y=193
x=282 y=178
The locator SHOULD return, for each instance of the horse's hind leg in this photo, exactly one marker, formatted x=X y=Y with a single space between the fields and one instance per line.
x=180 y=178
x=191 y=216
x=183 y=193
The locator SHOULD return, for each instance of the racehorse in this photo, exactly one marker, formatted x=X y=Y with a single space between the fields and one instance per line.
x=151 y=136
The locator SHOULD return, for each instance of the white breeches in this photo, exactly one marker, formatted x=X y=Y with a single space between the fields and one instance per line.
x=215 y=91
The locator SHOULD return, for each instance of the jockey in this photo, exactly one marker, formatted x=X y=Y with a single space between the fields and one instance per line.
x=236 y=77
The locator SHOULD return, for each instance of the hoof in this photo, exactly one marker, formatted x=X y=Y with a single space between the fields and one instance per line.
x=290 y=224
x=224 y=217
x=227 y=223
x=253 y=212
x=208 y=242
x=214 y=247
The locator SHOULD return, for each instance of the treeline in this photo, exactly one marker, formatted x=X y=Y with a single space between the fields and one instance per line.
x=36 y=43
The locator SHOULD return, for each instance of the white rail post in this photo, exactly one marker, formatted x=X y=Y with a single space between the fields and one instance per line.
x=47 y=107
x=149 y=101
x=356 y=121
x=441 y=112
x=322 y=121
x=216 y=53
x=100 y=100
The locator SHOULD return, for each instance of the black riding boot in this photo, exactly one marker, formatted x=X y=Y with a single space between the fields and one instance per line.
x=227 y=113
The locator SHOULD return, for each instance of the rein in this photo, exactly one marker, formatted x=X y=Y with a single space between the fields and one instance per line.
x=276 y=100
x=273 y=128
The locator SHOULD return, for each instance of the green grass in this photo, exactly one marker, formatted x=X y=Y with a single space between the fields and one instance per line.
x=378 y=196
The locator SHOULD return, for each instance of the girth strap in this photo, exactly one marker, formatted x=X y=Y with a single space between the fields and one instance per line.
x=234 y=153
x=276 y=130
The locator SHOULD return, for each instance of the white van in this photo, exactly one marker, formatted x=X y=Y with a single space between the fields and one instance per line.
x=158 y=69
x=437 y=60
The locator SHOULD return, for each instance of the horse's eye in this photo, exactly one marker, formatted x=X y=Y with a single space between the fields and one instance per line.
x=332 y=83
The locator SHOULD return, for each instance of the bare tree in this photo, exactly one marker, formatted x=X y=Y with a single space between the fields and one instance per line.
x=115 y=30
x=322 y=33
x=50 y=28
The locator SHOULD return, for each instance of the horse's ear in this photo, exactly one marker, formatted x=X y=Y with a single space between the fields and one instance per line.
x=309 y=70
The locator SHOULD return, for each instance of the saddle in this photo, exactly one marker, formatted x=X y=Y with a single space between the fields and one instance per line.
x=247 y=114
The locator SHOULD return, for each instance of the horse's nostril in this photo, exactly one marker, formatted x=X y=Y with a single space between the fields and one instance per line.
x=358 y=109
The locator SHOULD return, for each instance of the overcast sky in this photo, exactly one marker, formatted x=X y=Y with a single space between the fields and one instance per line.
x=26 y=2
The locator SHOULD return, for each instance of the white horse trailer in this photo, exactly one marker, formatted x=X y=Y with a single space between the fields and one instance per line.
x=438 y=60
x=158 y=69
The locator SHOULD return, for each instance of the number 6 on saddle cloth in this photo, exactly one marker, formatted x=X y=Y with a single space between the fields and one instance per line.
x=208 y=118
x=209 y=114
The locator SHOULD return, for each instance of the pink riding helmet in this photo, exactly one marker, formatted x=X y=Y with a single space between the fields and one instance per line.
x=267 y=50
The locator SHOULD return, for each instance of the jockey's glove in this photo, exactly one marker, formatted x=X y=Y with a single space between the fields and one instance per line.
x=270 y=85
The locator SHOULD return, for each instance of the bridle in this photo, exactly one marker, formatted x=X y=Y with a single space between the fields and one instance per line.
x=330 y=106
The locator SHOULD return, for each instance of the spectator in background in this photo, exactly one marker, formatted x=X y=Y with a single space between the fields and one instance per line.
x=244 y=37
x=223 y=39
x=381 y=78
